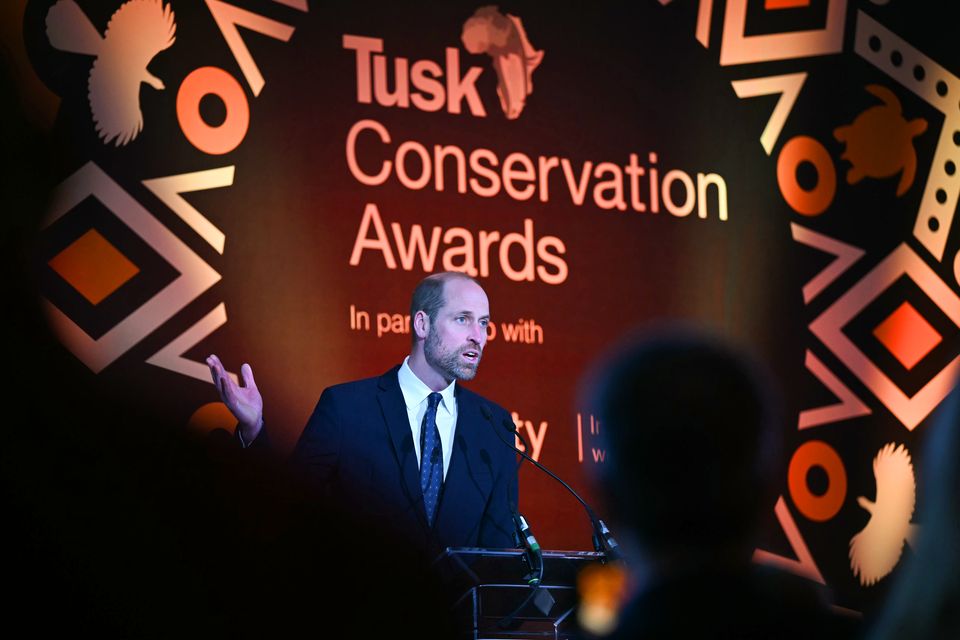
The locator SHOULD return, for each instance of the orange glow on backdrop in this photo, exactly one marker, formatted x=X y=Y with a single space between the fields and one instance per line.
x=596 y=169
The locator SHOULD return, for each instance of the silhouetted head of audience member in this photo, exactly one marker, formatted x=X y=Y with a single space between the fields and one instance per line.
x=691 y=442
x=690 y=431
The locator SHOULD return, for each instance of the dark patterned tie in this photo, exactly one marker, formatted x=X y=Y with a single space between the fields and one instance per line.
x=431 y=457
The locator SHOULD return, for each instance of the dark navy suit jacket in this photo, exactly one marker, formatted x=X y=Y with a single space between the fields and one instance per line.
x=358 y=446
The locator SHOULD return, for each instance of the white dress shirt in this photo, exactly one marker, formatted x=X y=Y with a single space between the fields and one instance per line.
x=415 y=394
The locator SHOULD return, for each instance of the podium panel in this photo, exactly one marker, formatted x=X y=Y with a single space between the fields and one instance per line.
x=489 y=585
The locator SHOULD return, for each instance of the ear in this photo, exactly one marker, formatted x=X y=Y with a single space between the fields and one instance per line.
x=421 y=324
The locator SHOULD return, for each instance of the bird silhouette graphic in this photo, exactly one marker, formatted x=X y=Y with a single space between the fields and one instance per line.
x=875 y=550
x=136 y=32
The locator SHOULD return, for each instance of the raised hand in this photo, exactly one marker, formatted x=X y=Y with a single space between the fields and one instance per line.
x=245 y=403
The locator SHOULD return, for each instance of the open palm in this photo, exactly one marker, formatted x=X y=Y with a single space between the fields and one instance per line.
x=245 y=403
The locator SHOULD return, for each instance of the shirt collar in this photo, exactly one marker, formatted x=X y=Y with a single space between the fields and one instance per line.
x=415 y=390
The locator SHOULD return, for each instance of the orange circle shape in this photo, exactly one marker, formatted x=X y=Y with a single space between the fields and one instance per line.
x=212 y=416
x=817 y=453
x=806 y=149
x=225 y=137
x=956 y=267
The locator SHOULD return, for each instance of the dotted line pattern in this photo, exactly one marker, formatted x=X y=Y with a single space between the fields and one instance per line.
x=941 y=90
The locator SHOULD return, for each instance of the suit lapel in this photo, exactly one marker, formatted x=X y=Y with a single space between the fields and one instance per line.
x=395 y=415
x=470 y=477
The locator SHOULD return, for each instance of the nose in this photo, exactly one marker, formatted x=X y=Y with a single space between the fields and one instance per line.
x=478 y=334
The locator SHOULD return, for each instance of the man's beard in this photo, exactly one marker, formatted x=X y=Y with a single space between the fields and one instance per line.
x=449 y=362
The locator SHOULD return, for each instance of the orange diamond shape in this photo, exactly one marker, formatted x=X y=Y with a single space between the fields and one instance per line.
x=93 y=266
x=907 y=335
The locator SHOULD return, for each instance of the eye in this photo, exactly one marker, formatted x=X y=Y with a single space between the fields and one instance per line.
x=461 y=319
x=484 y=322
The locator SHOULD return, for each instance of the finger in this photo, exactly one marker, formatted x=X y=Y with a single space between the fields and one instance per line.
x=228 y=391
x=222 y=388
x=222 y=380
x=214 y=361
x=213 y=364
x=247 y=373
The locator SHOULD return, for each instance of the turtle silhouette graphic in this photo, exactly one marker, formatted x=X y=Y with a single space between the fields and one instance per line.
x=879 y=142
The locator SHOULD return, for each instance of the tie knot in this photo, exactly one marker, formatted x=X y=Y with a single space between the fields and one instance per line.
x=434 y=400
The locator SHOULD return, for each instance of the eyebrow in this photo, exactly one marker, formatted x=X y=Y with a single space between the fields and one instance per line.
x=470 y=313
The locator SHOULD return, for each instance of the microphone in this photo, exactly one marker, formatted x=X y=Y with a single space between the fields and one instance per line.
x=533 y=558
x=533 y=554
x=603 y=540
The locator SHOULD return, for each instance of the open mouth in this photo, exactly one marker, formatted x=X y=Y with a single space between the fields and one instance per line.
x=471 y=355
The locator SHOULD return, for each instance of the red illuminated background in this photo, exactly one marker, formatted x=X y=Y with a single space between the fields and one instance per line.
x=781 y=173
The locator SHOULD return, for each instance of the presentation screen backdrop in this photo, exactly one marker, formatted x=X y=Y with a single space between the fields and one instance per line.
x=268 y=181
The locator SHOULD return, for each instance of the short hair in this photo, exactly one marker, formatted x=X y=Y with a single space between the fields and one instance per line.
x=690 y=438
x=428 y=295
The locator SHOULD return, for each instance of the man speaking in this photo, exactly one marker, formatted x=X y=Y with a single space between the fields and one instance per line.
x=410 y=450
